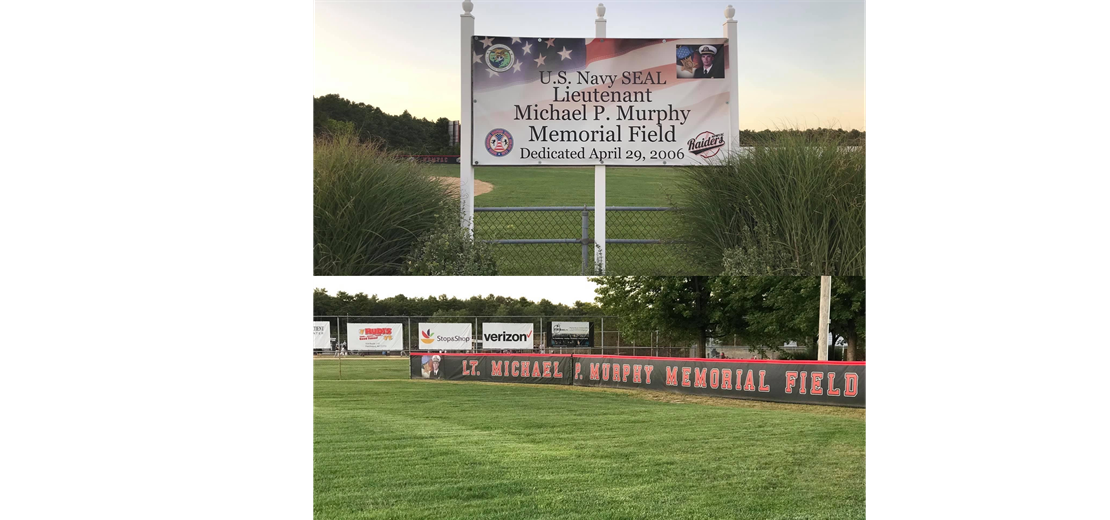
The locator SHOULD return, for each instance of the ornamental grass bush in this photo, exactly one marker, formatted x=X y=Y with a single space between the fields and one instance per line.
x=370 y=208
x=791 y=204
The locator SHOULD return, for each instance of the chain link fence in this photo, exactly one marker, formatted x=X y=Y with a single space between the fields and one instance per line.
x=557 y=240
x=607 y=337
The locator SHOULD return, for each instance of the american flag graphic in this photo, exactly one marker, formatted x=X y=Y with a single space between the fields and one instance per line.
x=530 y=55
x=507 y=74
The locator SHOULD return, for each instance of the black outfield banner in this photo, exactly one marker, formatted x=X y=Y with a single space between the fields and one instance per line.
x=796 y=381
x=505 y=368
x=836 y=383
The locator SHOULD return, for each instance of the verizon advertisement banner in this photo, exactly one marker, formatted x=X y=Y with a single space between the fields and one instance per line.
x=508 y=368
x=633 y=102
x=830 y=383
x=507 y=336
x=321 y=335
x=445 y=336
x=375 y=336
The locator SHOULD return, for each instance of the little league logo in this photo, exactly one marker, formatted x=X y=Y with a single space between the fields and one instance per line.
x=499 y=58
x=706 y=144
x=499 y=142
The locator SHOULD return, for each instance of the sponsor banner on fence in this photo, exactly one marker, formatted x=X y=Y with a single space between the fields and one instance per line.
x=809 y=382
x=444 y=336
x=375 y=336
x=571 y=334
x=634 y=102
x=507 y=336
x=321 y=335
x=507 y=368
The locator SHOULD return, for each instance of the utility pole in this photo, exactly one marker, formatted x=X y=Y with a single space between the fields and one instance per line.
x=823 y=326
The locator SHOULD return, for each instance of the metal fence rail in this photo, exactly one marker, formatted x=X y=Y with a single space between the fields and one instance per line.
x=557 y=240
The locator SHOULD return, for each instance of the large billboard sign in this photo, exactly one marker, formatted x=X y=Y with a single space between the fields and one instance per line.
x=507 y=336
x=625 y=102
x=444 y=336
x=321 y=335
x=375 y=336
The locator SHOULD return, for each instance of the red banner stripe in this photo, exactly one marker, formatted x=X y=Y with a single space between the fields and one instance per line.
x=414 y=354
x=787 y=361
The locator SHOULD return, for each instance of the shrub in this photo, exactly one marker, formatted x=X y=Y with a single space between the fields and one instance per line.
x=793 y=204
x=369 y=208
x=451 y=251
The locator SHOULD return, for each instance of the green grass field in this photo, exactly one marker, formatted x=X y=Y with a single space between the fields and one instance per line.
x=569 y=186
x=389 y=447
x=574 y=186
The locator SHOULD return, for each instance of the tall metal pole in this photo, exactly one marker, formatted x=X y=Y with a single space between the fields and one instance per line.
x=823 y=326
x=599 y=176
x=466 y=107
x=585 y=235
x=733 y=79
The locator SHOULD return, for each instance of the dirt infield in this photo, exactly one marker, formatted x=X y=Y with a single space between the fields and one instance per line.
x=452 y=185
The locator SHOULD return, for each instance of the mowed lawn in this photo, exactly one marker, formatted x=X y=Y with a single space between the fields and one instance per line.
x=389 y=447
x=328 y=367
x=569 y=186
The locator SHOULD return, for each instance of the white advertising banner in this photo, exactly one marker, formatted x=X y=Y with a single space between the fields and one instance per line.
x=507 y=336
x=445 y=336
x=570 y=328
x=321 y=335
x=625 y=102
x=375 y=336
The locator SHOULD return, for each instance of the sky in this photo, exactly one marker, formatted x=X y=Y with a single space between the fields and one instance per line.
x=801 y=62
x=556 y=289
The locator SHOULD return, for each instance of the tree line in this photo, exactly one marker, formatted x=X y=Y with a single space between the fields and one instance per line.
x=401 y=134
x=343 y=304
x=409 y=135
x=764 y=311
x=847 y=137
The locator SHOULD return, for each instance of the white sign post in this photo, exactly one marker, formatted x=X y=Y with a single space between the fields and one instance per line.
x=599 y=177
x=733 y=81
x=466 y=162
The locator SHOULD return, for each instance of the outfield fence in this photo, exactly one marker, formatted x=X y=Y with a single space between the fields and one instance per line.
x=558 y=240
x=606 y=338
x=835 y=383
